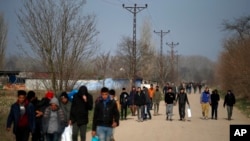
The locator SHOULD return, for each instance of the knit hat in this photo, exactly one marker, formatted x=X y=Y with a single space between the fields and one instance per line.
x=54 y=101
x=49 y=95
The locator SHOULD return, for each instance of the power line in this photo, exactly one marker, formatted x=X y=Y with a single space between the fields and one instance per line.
x=134 y=10
x=161 y=34
x=172 y=53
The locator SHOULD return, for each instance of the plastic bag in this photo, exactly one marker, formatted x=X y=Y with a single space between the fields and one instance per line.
x=67 y=134
x=95 y=138
x=189 y=112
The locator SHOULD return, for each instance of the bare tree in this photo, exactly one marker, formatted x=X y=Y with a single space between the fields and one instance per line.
x=233 y=69
x=59 y=36
x=241 y=26
x=102 y=65
x=146 y=58
x=137 y=61
x=3 y=39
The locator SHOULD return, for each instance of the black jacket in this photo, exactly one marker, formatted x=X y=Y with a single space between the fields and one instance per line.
x=182 y=98
x=169 y=98
x=215 y=98
x=124 y=98
x=105 y=114
x=229 y=100
x=140 y=98
x=80 y=109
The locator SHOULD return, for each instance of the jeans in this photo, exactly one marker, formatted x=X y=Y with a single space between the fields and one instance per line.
x=75 y=130
x=147 y=112
x=104 y=133
x=169 y=111
x=229 y=112
x=140 y=112
x=52 y=137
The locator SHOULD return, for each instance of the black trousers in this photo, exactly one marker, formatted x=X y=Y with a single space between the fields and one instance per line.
x=214 y=110
x=22 y=133
x=38 y=135
x=182 y=110
x=124 y=111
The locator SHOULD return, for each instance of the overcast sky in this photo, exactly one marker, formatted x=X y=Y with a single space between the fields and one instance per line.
x=195 y=24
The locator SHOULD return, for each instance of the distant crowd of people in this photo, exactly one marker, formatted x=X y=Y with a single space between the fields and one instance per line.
x=47 y=118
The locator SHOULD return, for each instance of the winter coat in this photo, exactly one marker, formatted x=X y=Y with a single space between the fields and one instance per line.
x=205 y=97
x=182 y=98
x=140 y=99
x=147 y=97
x=105 y=113
x=215 y=97
x=132 y=98
x=80 y=109
x=15 y=115
x=124 y=99
x=229 y=100
x=66 y=110
x=157 y=97
x=169 y=98
x=60 y=120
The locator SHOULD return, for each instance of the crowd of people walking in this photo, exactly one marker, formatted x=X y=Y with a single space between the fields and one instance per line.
x=47 y=118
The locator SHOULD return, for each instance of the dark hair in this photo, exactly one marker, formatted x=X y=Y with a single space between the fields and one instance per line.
x=104 y=90
x=123 y=88
x=64 y=94
x=83 y=90
x=21 y=92
x=112 y=92
x=30 y=95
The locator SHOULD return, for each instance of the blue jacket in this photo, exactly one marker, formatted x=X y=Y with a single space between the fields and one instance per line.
x=205 y=97
x=15 y=115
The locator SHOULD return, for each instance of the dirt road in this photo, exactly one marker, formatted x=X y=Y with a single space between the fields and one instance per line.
x=197 y=129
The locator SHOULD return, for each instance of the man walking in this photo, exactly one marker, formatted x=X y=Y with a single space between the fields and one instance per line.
x=140 y=102
x=124 y=103
x=182 y=99
x=169 y=101
x=156 y=100
x=106 y=116
x=215 y=98
x=81 y=104
x=229 y=101
x=205 y=101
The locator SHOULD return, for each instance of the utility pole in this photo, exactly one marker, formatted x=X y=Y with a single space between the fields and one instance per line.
x=161 y=34
x=172 y=54
x=134 y=10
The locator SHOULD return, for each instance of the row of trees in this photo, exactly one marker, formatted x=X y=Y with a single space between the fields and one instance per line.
x=63 y=42
x=233 y=68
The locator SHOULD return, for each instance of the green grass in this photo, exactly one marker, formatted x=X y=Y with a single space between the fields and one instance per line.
x=6 y=99
x=244 y=106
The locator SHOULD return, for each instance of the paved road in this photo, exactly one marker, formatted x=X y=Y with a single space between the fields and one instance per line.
x=194 y=129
